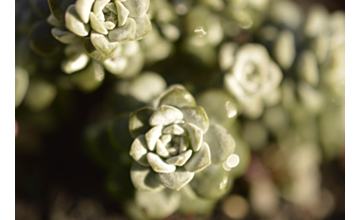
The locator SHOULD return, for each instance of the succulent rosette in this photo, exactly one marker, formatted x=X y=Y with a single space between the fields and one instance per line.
x=253 y=78
x=106 y=22
x=104 y=30
x=174 y=141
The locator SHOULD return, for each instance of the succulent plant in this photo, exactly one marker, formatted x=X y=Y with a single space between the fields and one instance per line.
x=103 y=30
x=253 y=78
x=174 y=141
x=106 y=22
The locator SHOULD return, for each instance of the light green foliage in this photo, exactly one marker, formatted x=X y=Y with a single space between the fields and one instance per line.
x=253 y=79
x=175 y=142
x=40 y=95
x=21 y=84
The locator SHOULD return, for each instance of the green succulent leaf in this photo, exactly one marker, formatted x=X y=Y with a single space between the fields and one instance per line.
x=74 y=23
x=124 y=33
x=83 y=9
x=143 y=26
x=102 y=44
x=165 y=115
x=21 y=84
x=41 y=8
x=177 y=97
x=91 y=50
x=58 y=8
x=76 y=59
x=175 y=180
x=122 y=13
x=166 y=202
x=97 y=25
x=90 y=78
x=197 y=116
x=200 y=159
x=40 y=95
x=144 y=178
x=221 y=143
x=210 y=183
x=65 y=37
x=158 y=164
x=42 y=41
x=193 y=205
x=220 y=107
x=180 y=159
x=116 y=65
x=137 y=8
x=119 y=133
x=147 y=86
x=195 y=135
x=139 y=151
x=139 y=121
x=174 y=130
x=152 y=136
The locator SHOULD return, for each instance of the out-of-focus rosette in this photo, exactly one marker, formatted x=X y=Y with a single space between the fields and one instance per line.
x=253 y=78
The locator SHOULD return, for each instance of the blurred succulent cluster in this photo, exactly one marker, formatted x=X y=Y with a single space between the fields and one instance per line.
x=189 y=107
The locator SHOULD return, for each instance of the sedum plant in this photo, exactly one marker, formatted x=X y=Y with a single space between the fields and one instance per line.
x=174 y=141
x=253 y=77
x=102 y=30
x=106 y=22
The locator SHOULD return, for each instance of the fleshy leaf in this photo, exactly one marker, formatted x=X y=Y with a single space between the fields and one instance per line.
x=75 y=63
x=102 y=44
x=161 y=150
x=137 y=8
x=175 y=180
x=97 y=25
x=65 y=37
x=58 y=8
x=40 y=95
x=166 y=138
x=196 y=115
x=143 y=26
x=193 y=205
x=83 y=8
x=42 y=41
x=119 y=133
x=122 y=13
x=158 y=164
x=152 y=136
x=177 y=97
x=138 y=150
x=166 y=202
x=74 y=23
x=91 y=50
x=21 y=84
x=219 y=106
x=174 y=129
x=99 y=5
x=144 y=178
x=165 y=115
x=307 y=68
x=40 y=7
x=90 y=78
x=139 y=121
x=200 y=159
x=221 y=143
x=180 y=159
x=210 y=183
x=196 y=136
x=116 y=65
x=124 y=33
x=147 y=86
